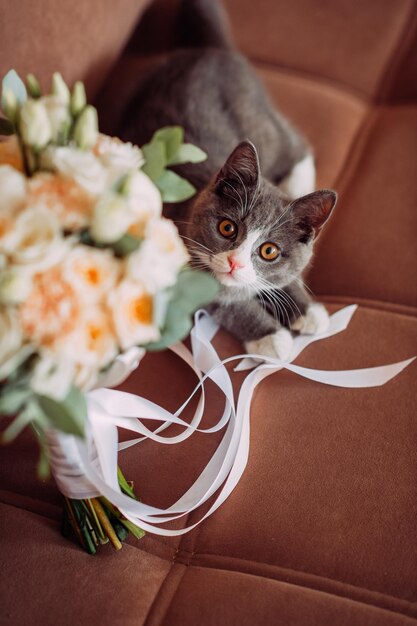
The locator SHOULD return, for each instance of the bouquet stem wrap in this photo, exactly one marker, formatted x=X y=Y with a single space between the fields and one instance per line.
x=87 y=468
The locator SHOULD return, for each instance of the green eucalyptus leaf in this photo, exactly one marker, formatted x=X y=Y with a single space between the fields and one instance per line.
x=195 y=289
x=12 y=399
x=13 y=82
x=178 y=324
x=68 y=415
x=27 y=415
x=6 y=127
x=172 y=137
x=173 y=188
x=155 y=159
x=126 y=245
x=188 y=153
x=43 y=469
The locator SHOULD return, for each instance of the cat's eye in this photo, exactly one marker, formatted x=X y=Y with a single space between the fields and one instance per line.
x=227 y=228
x=269 y=251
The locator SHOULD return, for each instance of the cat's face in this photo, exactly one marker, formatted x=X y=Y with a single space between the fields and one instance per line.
x=248 y=233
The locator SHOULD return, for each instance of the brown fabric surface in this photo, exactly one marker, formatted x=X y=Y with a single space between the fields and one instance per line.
x=369 y=247
x=80 y=39
x=351 y=43
x=237 y=598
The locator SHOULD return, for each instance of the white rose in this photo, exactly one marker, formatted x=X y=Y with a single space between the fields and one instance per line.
x=12 y=350
x=160 y=257
x=52 y=377
x=91 y=272
x=133 y=314
x=34 y=124
x=15 y=285
x=36 y=240
x=83 y=167
x=92 y=343
x=58 y=115
x=111 y=218
x=12 y=186
x=144 y=200
x=117 y=156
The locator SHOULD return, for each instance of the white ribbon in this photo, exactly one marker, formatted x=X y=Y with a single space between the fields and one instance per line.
x=88 y=468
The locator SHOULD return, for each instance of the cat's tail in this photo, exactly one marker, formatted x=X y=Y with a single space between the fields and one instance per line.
x=204 y=23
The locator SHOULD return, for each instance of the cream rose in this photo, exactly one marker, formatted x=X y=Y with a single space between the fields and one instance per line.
x=91 y=272
x=144 y=201
x=160 y=257
x=70 y=203
x=36 y=240
x=133 y=314
x=92 y=343
x=117 y=156
x=12 y=186
x=52 y=377
x=83 y=167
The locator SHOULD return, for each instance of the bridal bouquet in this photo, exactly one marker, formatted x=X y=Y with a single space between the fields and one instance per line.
x=90 y=271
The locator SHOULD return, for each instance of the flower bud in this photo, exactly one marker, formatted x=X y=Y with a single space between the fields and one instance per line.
x=34 y=124
x=15 y=286
x=9 y=104
x=59 y=88
x=78 y=98
x=59 y=118
x=86 y=128
x=33 y=86
x=111 y=219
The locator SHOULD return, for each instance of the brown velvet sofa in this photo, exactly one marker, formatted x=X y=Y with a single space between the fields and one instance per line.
x=322 y=528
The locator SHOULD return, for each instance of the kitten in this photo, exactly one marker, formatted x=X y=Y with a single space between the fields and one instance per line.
x=254 y=231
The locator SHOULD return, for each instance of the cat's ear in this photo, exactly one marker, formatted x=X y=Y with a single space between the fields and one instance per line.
x=313 y=211
x=240 y=170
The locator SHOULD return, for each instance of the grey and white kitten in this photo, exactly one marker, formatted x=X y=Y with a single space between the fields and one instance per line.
x=256 y=215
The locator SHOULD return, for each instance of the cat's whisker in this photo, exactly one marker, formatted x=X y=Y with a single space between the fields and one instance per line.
x=197 y=243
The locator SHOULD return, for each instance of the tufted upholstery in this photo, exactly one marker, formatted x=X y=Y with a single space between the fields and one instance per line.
x=321 y=530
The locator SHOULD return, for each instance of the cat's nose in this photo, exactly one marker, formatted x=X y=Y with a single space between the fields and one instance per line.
x=234 y=264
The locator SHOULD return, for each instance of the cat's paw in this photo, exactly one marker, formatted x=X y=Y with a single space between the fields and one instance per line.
x=315 y=320
x=277 y=345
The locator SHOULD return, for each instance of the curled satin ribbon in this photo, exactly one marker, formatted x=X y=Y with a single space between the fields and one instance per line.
x=88 y=468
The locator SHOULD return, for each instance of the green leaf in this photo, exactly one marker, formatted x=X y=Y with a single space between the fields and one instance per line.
x=177 y=326
x=194 y=289
x=12 y=400
x=188 y=153
x=6 y=127
x=173 y=188
x=155 y=159
x=43 y=468
x=124 y=485
x=68 y=415
x=13 y=82
x=126 y=245
x=172 y=137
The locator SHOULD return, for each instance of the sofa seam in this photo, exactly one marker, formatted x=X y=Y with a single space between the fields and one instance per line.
x=314 y=590
x=318 y=577
x=399 y=52
x=163 y=583
x=360 y=96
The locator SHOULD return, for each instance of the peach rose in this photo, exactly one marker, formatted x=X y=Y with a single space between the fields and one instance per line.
x=133 y=314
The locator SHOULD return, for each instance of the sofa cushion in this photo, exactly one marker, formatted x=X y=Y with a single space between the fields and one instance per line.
x=82 y=40
x=325 y=510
